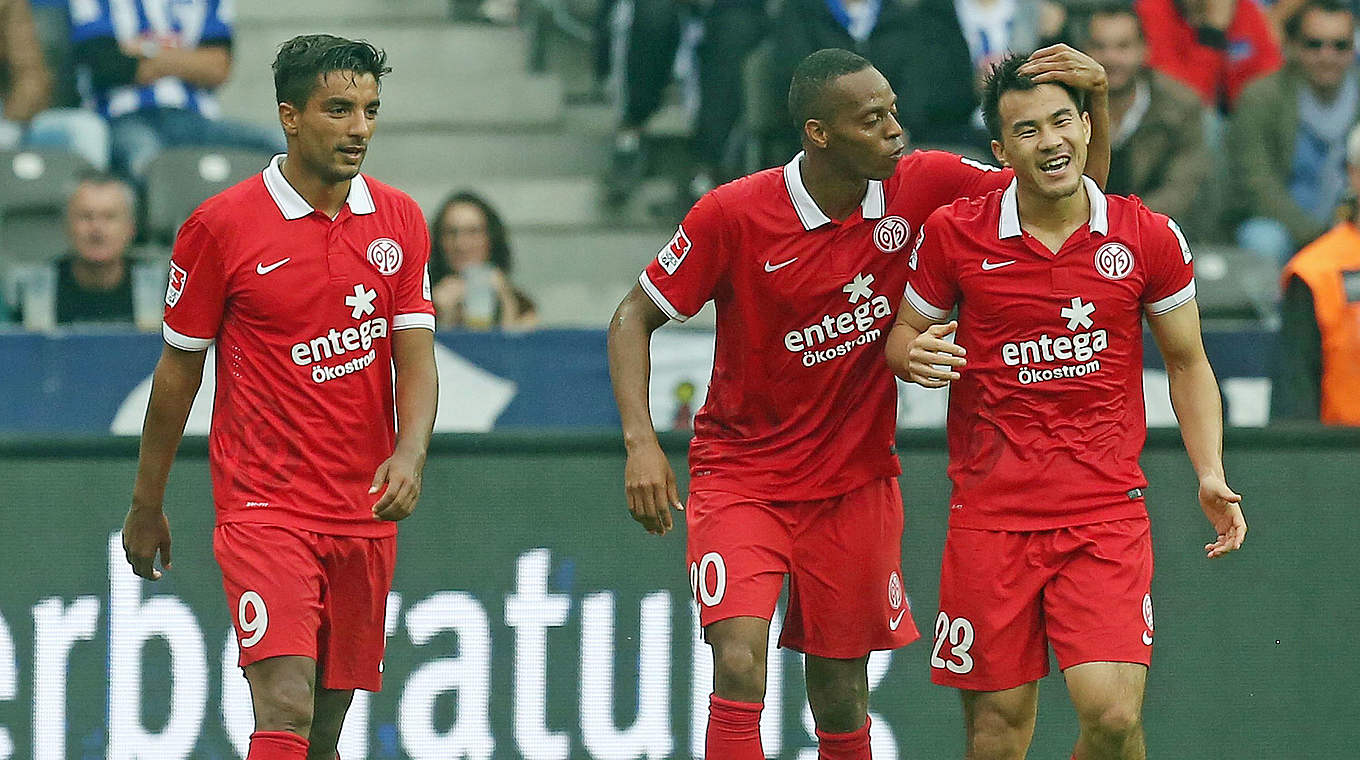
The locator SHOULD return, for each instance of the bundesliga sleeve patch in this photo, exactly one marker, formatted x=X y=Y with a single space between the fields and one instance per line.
x=673 y=255
x=177 y=279
x=425 y=287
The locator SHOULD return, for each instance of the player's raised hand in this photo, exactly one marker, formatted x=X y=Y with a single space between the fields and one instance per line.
x=932 y=360
x=1223 y=507
x=401 y=473
x=1062 y=63
x=650 y=485
x=146 y=533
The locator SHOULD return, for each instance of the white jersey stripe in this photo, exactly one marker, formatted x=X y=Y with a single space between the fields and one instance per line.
x=920 y=304
x=1179 y=298
x=659 y=299
x=184 y=342
x=417 y=319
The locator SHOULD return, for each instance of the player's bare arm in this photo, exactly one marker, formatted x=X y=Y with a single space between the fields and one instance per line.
x=1061 y=63
x=918 y=352
x=1199 y=409
x=146 y=531
x=649 y=481
x=203 y=66
x=417 y=391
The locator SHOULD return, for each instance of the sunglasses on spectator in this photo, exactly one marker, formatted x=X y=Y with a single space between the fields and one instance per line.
x=1340 y=46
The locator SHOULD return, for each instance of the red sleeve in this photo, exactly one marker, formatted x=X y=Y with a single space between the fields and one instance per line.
x=1171 y=271
x=684 y=274
x=414 y=307
x=197 y=289
x=932 y=285
x=952 y=177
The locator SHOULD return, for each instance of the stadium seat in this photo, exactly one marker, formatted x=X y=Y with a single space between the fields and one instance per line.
x=1233 y=283
x=34 y=185
x=181 y=178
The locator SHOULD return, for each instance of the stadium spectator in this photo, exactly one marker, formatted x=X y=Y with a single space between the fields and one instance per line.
x=1317 y=357
x=644 y=38
x=25 y=94
x=97 y=281
x=152 y=73
x=1215 y=47
x=1289 y=135
x=1157 y=125
x=470 y=265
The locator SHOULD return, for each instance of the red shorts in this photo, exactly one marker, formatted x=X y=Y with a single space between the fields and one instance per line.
x=294 y=592
x=843 y=556
x=1005 y=596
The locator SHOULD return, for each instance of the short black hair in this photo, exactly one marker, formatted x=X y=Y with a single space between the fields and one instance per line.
x=1293 y=26
x=304 y=58
x=1005 y=77
x=812 y=77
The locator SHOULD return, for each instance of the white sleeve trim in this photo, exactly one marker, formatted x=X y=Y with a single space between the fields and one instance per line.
x=927 y=309
x=184 y=342
x=1179 y=298
x=418 y=319
x=659 y=299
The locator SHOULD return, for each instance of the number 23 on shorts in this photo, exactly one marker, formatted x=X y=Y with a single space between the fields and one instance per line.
x=957 y=636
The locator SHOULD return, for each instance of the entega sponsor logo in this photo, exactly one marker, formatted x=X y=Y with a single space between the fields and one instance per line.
x=1081 y=347
x=856 y=324
x=338 y=343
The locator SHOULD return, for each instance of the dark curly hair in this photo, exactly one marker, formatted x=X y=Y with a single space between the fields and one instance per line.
x=304 y=58
x=495 y=231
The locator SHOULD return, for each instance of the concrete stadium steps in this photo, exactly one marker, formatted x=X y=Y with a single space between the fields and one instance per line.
x=329 y=11
x=445 y=75
x=577 y=277
x=426 y=156
x=563 y=202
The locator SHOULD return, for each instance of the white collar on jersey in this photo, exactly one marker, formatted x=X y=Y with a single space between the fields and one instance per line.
x=1010 y=210
x=294 y=206
x=809 y=214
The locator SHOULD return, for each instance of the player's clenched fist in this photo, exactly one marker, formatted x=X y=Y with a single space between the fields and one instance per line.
x=650 y=485
x=146 y=532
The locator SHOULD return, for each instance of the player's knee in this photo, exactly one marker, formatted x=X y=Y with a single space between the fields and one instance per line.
x=998 y=734
x=283 y=705
x=740 y=669
x=1112 y=723
x=839 y=703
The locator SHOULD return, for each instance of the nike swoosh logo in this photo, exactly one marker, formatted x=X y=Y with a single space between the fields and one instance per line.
x=262 y=269
x=772 y=267
x=988 y=266
x=892 y=624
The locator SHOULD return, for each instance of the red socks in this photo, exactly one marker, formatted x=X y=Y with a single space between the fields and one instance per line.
x=733 y=730
x=277 y=745
x=851 y=746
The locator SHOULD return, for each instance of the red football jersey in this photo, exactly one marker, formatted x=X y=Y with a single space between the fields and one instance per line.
x=801 y=404
x=302 y=308
x=1046 y=421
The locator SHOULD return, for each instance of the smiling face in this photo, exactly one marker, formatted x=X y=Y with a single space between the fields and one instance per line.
x=860 y=133
x=329 y=135
x=466 y=237
x=1044 y=138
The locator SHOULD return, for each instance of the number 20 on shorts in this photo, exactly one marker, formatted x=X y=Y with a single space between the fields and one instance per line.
x=958 y=635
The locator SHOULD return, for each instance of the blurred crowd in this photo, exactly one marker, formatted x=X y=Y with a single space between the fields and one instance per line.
x=1235 y=117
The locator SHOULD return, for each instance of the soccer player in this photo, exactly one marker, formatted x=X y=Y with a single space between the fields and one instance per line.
x=310 y=278
x=793 y=470
x=1048 y=533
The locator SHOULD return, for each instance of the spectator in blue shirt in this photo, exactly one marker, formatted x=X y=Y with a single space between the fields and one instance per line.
x=151 y=70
